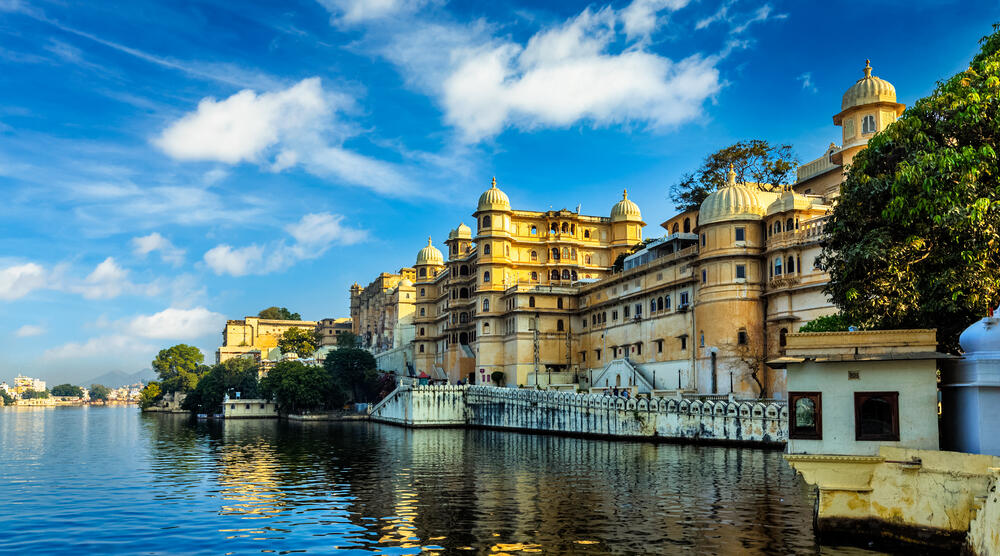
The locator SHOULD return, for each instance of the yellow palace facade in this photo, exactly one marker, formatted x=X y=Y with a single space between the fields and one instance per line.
x=532 y=296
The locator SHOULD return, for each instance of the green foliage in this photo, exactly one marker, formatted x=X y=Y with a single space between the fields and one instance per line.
x=279 y=313
x=235 y=375
x=7 y=400
x=828 y=323
x=66 y=390
x=33 y=394
x=619 y=263
x=178 y=368
x=296 y=387
x=354 y=371
x=913 y=241
x=348 y=340
x=150 y=394
x=299 y=341
x=99 y=392
x=754 y=161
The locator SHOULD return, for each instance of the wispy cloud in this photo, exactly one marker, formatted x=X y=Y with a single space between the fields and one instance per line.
x=313 y=235
x=357 y=11
x=807 y=83
x=106 y=281
x=30 y=330
x=169 y=253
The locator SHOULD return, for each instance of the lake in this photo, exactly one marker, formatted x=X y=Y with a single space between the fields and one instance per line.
x=111 y=480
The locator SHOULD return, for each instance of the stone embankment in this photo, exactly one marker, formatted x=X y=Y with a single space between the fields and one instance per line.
x=724 y=421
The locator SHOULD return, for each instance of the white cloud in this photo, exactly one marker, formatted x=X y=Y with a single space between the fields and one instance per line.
x=807 y=83
x=762 y=14
x=177 y=324
x=357 y=11
x=243 y=126
x=107 y=280
x=719 y=15
x=640 y=17
x=18 y=281
x=313 y=234
x=29 y=330
x=115 y=345
x=169 y=253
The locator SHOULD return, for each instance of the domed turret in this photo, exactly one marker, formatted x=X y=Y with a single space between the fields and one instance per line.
x=982 y=338
x=463 y=231
x=732 y=202
x=494 y=199
x=625 y=210
x=867 y=90
x=430 y=255
x=405 y=283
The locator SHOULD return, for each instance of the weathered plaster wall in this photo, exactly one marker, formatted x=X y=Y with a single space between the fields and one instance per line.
x=984 y=533
x=586 y=414
x=249 y=409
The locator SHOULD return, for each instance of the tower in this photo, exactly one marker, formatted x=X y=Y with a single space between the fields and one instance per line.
x=867 y=108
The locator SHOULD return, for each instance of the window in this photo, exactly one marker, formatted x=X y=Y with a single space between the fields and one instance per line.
x=701 y=340
x=555 y=275
x=704 y=276
x=565 y=253
x=741 y=337
x=421 y=348
x=534 y=276
x=555 y=253
x=805 y=415
x=876 y=416
x=534 y=230
x=486 y=328
x=684 y=298
x=531 y=301
x=486 y=222
x=486 y=305
x=598 y=353
x=702 y=240
x=676 y=228
x=783 y=337
x=741 y=271
x=423 y=312
x=586 y=259
x=421 y=331
x=583 y=322
x=573 y=275
x=687 y=225
x=741 y=234
x=614 y=315
x=486 y=249
x=789 y=224
x=659 y=346
x=777 y=266
x=486 y=276
x=791 y=265
x=586 y=234
x=423 y=292
x=638 y=310
x=868 y=124
x=423 y=272
x=559 y=325
x=565 y=274
x=638 y=349
x=684 y=342
x=534 y=255
x=506 y=250
x=565 y=227
x=559 y=303
x=666 y=303
x=652 y=305
x=625 y=311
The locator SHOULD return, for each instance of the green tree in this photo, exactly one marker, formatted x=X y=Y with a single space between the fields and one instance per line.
x=99 y=392
x=299 y=341
x=33 y=394
x=150 y=394
x=66 y=390
x=7 y=400
x=754 y=161
x=914 y=241
x=279 y=313
x=235 y=375
x=829 y=323
x=296 y=387
x=348 y=340
x=177 y=367
x=354 y=370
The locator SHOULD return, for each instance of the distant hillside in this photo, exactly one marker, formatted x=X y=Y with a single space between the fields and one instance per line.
x=114 y=379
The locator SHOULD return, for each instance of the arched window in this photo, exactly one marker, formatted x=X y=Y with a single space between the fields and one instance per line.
x=486 y=328
x=741 y=337
x=573 y=274
x=782 y=337
x=555 y=253
x=565 y=227
x=463 y=293
x=586 y=259
x=559 y=325
x=652 y=305
x=687 y=225
x=534 y=276
x=586 y=234
x=486 y=249
x=791 y=265
x=604 y=316
x=463 y=317
x=423 y=292
x=666 y=302
x=534 y=255
x=421 y=348
x=789 y=225
x=463 y=270
x=421 y=330
x=486 y=276
x=555 y=275
x=506 y=250
x=486 y=305
x=572 y=229
x=676 y=228
x=565 y=253
x=777 y=266
x=531 y=301
x=534 y=230
x=423 y=272
x=868 y=124
x=701 y=339
x=659 y=303
x=559 y=303
x=553 y=228
x=423 y=311
x=486 y=221
x=565 y=274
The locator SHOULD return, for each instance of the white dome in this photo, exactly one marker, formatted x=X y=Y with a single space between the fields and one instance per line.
x=405 y=283
x=869 y=89
x=430 y=255
x=732 y=202
x=494 y=199
x=983 y=337
x=625 y=210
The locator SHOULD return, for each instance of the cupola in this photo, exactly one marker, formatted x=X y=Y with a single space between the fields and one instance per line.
x=430 y=255
x=625 y=210
x=867 y=90
x=735 y=201
x=982 y=338
x=493 y=199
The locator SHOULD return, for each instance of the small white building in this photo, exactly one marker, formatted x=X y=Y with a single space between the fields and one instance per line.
x=851 y=392
x=970 y=391
x=233 y=408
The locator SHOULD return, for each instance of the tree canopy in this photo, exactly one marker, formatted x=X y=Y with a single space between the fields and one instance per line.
x=7 y=400
x=279 y=313
x=296 y=388
x=829 y=323
x=355 y=371
x=348 y=340
x=32 y=394
x=177 y=367
x=753 y=161
x=234 y=375
x=99 y=392
x=298 y=340
x=66 y=390
x=150 y=394
x=913 y=241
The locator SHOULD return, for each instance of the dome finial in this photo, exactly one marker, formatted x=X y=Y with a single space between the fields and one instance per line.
x=624 y=194
x=731 y=179
x=429 y=242
x=868 y=68
x=494 y=184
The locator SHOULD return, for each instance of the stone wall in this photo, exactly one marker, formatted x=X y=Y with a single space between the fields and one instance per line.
x=673 y=419
x=984 y=531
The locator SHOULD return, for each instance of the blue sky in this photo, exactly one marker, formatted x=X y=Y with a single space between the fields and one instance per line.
x=168 y=165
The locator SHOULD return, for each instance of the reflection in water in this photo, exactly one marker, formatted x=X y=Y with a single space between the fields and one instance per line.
x=170 y=485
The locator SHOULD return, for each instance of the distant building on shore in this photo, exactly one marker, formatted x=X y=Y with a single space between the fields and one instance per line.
x=24 y=383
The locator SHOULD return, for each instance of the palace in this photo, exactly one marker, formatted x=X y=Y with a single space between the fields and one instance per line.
x=532 y=299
